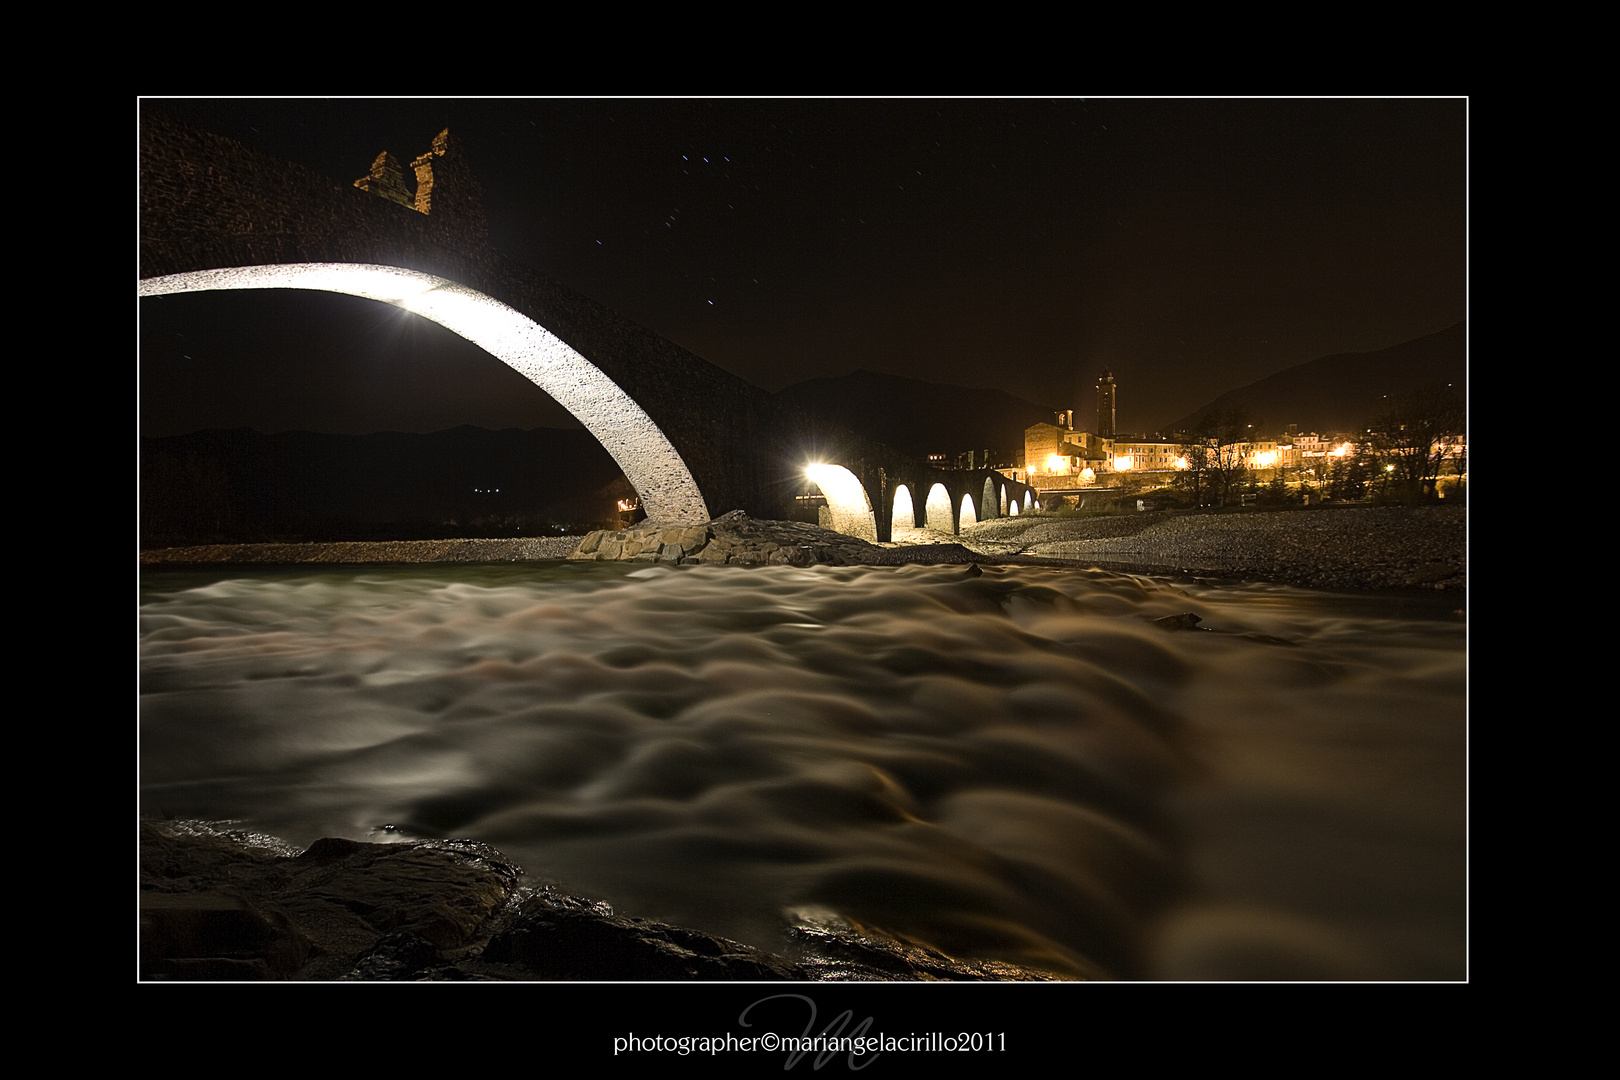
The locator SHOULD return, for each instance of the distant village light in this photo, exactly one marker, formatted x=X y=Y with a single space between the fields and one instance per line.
x=1122 y=464
x=1057 y=464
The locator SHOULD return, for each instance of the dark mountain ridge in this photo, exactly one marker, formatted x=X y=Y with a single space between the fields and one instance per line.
x=1337 y=393
x=1342 y=392
x=915 y=416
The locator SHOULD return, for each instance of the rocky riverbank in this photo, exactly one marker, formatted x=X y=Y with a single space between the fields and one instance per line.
x=1333 y=548
x=735 y=539
x=1358 y=547
x=525 y=549
x=224 y=905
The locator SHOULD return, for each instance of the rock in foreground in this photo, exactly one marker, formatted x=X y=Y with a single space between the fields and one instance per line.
x=218 y=904
x=734 y=539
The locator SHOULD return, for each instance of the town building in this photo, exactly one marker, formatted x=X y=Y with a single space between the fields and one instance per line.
x=1058 y=457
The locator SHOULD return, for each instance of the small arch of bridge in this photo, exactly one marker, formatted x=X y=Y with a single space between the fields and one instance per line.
x=984 y=492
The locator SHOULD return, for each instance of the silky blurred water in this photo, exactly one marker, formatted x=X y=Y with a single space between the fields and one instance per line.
x=1013 y=764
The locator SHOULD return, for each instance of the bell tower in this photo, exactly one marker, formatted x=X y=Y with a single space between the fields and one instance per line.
x=1105 y=405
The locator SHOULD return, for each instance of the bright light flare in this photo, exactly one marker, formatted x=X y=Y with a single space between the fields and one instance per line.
x=1057 y=464
x=1123 y=463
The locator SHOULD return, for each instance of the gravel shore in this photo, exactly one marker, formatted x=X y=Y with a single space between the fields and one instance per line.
x=1359 y=547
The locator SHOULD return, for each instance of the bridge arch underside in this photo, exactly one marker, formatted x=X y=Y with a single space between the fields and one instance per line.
x=849 y=507
x=652 y=465
x=904 y=511
x=939 y=510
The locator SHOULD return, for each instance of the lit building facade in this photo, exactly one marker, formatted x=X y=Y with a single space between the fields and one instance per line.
x=1057 y=457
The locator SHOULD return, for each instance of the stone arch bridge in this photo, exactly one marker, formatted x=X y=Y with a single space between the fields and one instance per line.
x=694 y=440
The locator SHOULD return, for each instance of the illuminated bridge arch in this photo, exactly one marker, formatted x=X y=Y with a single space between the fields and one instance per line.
x=938 y=507
x=905 y=510
x=650 y=462
x=849 y=507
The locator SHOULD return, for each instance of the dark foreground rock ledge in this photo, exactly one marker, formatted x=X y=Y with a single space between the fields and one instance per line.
x=223 y=904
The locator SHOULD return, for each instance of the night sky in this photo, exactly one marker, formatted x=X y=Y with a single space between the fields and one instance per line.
x=1190 y=245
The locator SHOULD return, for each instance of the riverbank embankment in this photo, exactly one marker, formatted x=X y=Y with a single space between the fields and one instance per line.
x=1357 y=548
x=523 y=549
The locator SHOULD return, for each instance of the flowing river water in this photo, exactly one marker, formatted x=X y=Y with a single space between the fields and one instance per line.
x=1017 y=763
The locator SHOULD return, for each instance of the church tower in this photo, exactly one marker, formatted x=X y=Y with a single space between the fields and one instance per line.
x=1105 y=405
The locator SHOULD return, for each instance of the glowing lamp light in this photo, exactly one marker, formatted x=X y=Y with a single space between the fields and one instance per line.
x=1122 y=464
x=1057 y=464
x=1266 y=459
x=1181 y=463
x=1088 y=475
x=1341 y=450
